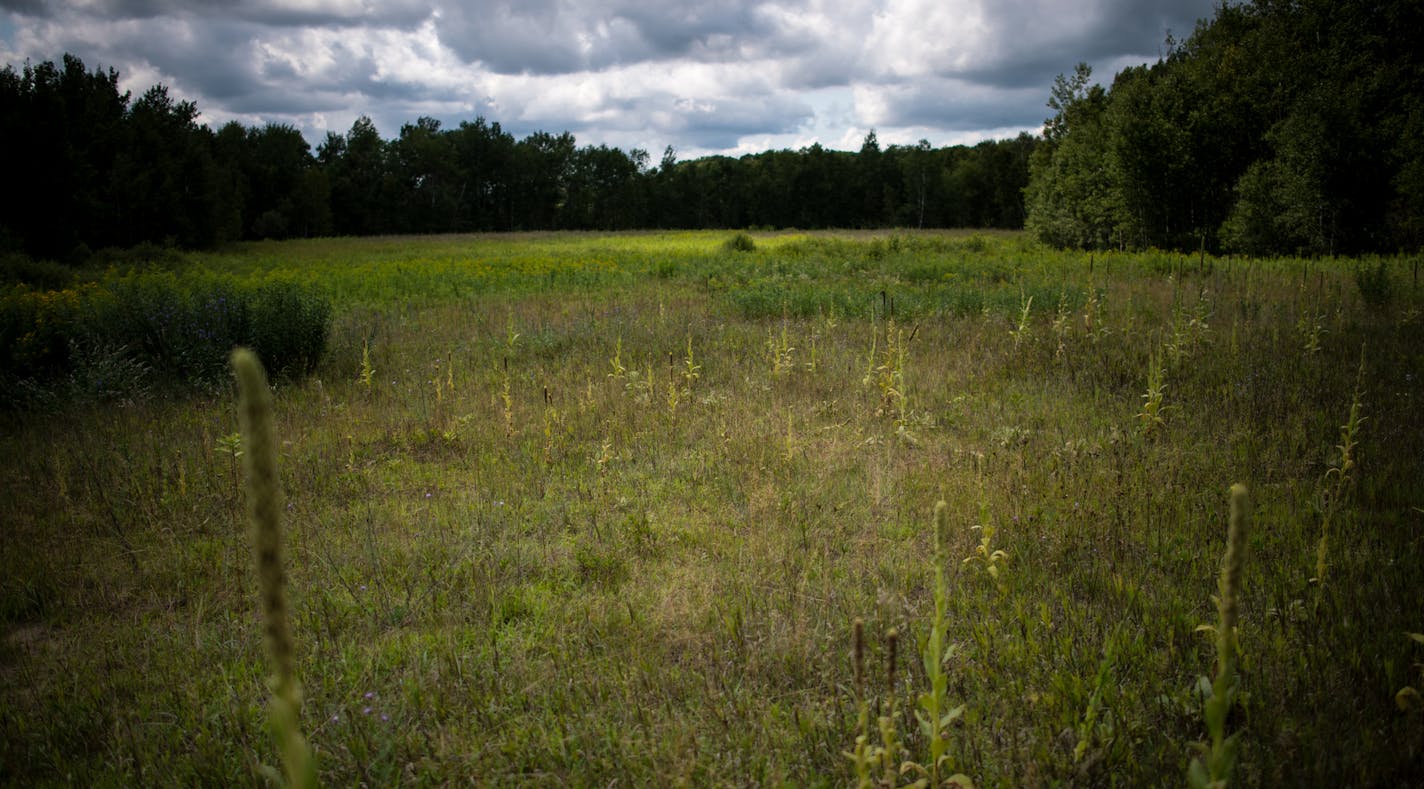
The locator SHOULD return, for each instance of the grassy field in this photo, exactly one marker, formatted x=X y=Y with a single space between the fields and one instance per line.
x=573 y=509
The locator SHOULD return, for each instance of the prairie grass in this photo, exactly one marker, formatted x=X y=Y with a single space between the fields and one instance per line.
x=574 y=509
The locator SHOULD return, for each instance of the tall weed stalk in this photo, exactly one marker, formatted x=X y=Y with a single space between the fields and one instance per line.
x=1216 y=760
x=264 y=505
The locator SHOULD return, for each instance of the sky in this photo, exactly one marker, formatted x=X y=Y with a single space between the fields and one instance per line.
x=703 y=76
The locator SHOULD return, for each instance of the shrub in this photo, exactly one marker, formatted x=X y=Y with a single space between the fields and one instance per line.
x=179 y=329
x=41 y=274
x=740 y=242
x=289 y=326
x=1374 y=283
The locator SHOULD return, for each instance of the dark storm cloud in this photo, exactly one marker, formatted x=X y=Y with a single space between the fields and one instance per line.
x=562 y=36
x=704 y=75
x=29 y=7
x=264 y=12
x=1031 y=44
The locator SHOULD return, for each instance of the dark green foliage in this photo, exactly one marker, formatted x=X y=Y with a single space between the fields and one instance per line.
x=1276 y=128
x=288 y=327
x=153 y=326
x=18 y=269
x=740 y=242
x=1374 y=283
x=103 y=171
x=100 y=170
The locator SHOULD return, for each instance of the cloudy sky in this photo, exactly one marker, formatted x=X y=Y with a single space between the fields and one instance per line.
x=705 y=76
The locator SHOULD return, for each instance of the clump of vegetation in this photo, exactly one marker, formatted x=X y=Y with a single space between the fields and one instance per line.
x=1374 y=282
x=741 y=242
x=127 y=331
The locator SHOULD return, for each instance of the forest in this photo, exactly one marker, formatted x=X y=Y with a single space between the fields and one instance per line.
x=1278 y=127
x=1275 y=127
x=100 y=170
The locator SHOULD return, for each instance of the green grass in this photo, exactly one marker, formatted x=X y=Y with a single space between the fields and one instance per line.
x=582 y=583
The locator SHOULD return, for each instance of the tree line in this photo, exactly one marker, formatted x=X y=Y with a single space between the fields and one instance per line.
x=1278 y=126
x=91 y=168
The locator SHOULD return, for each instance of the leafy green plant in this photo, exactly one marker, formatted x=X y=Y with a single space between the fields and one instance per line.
x=1338 y=480
x=691 y=371
x=368 y=372
x=1310 y=327
x=1061 y=326
x=1022 y=331
x=156 y=323
x=619 y=372
x=935 y=716
x=1189 y=329
x=1094 y=324
x=888 y=376
x=986 y=557
x=1096 y=723
x=1216 y=760
x=1152 y=417
x=780 y=350
x=290 y=325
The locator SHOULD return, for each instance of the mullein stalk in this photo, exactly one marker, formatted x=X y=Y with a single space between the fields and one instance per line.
x=934 y=714
x=1217 y=762
x=864 y=754
x=264 y=506
x=889 y=739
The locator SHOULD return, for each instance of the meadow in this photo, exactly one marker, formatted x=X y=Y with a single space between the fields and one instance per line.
x=570 y=509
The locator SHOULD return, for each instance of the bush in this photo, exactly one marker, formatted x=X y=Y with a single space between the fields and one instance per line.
x=155 y=324
x=16 y=268
x=741 y=242
x=289 y=328
x=1374 y=283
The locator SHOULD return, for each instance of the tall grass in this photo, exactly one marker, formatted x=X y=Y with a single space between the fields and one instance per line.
x=516 y=559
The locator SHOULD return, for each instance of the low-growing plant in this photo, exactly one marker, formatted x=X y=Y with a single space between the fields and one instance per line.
x=1096 y=723
x=619 y=372
x=1061 y=326
x=986 y=557
x=1310 y=327
x=888 y=375
x=691 y=371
